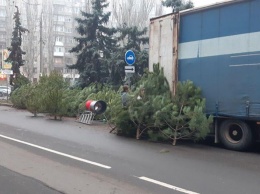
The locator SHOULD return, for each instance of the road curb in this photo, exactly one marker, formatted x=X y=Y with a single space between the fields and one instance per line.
x=6 y=104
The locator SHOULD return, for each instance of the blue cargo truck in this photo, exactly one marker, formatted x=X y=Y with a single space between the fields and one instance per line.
x=218 y=48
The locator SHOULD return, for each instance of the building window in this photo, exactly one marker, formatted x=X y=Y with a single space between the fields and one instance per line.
x=69 y=30
x=59 y=49
x=58 y=8
x=61 y=18
x=69 y=10
x=68 y=61
x=59 y=39
x=58 y=70
x=2 y=36
x=67 y=50
x=2 y=13
x=59 y=28
x=68 y=19
x=58 y=61
x=55 y=18
x=66 y=70
x=35 y=70
x=58 y=18
x=76 y=11
x=3 y=2
x=69 y=40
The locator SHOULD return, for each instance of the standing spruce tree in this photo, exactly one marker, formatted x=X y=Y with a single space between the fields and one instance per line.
x=178 y=5
x=16 y=52
x=133 y=37
x=95 y=45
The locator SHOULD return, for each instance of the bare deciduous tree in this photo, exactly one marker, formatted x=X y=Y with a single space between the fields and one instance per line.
x=132 y=12
x=48 y=34
x=87 y=6
x=158 y=9
x=32 y=38
x=10 y=9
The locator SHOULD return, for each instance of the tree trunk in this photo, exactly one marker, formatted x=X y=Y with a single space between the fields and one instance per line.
x=174 y=138
x=138 y=132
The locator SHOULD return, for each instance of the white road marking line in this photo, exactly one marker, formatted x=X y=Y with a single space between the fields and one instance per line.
x=56 y=152
x=167 y=185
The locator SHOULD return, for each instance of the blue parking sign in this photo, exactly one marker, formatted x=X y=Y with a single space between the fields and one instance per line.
x=130 y=57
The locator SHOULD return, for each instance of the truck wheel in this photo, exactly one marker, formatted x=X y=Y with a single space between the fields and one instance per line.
x=235 y=135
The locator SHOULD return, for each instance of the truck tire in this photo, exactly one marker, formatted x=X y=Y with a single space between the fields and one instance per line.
x=235 y=135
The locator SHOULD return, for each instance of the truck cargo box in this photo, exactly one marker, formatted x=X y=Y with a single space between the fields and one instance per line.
x=218 y=48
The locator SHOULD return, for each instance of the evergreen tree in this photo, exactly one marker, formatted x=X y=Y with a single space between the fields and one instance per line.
x=34 y=99
x=142 y=62
x=20 y=80
x=156 y=95
x=52 y=90
x=178 y=5
x=131 y=39
x=153 y=109
x=95 y=38
x=16 y=51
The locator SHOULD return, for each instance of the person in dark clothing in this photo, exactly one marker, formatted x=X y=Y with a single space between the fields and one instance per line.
x=124 y=95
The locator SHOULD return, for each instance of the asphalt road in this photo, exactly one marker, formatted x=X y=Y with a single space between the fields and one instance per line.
x=71 y=157
x=14 y=183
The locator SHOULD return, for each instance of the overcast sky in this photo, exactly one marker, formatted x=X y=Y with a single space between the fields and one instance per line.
x=204 y=2
x=198 y=3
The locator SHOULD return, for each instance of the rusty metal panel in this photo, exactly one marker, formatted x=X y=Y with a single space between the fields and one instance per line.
x=161 y=48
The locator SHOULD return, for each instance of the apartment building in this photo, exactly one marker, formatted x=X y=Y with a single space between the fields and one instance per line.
x=5 y=35
x=52 y=28
x=2 y=24
x=64 y=32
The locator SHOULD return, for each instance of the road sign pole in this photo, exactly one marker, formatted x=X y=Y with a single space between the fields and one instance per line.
x=128 y=79
x=130 y=69
x=7 y=76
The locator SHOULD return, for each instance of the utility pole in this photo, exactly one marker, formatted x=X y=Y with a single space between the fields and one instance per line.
x=41 y=50
x=2 y=59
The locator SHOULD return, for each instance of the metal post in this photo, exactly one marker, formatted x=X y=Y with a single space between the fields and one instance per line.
x=7 y=76
x=41 y=50
x=2 y=57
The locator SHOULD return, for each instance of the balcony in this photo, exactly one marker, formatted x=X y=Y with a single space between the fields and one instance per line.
x=59 y=44
x=59 y=2
x=58 y=54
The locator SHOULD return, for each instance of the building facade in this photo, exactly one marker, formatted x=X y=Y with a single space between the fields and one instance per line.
x=52 y=28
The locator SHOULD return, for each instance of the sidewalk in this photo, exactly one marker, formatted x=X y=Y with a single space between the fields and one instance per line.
x=46 y=125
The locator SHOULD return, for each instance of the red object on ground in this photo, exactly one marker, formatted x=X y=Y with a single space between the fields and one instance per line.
x=88 y=103
x=97 y=107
